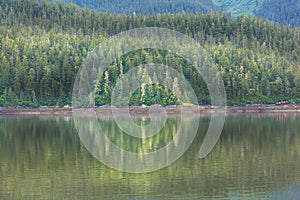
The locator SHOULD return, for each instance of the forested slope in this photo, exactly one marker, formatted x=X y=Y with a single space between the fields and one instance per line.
x=239 y=7
x=280 y=11
x=287 y=11
x=147 y=6
x=42 y=46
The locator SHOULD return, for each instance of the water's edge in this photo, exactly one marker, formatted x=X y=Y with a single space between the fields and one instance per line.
x=68 y=111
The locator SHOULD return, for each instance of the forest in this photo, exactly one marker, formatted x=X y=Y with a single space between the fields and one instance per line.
x=280 y=11
x=146 y=6
x=43 y=45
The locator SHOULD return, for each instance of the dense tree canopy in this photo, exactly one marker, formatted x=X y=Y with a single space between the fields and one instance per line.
x=280 y=11
x=147 y=6
x=287 y=11
x=239 y=7
x=42 y=46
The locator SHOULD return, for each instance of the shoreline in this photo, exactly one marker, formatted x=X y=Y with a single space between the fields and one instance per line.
x=140 y=110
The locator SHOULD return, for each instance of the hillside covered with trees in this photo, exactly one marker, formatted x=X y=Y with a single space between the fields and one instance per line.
x=287 y=11
x=146 y=6
x=240 y=7
x=42 y=46
x=280 y=11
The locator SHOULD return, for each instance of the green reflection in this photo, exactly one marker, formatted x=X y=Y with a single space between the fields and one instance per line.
x=256 y=156
x=140 y=145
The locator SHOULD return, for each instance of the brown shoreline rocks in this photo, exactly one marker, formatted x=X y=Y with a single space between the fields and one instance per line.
x=173 y=109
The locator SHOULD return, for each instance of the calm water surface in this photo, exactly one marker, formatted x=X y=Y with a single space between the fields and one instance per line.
x=256 y=157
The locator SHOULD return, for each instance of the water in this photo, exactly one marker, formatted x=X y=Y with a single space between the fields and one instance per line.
x=256 y=157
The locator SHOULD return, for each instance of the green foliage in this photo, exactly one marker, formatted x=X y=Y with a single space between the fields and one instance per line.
x=2 y=100
x=159 y=96
x=286 y=12
x=239 y=7
x=43 y=46
x=146 y=6
x=281 y=11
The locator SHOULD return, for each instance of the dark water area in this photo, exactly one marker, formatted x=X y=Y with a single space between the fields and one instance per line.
x=256 y=157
